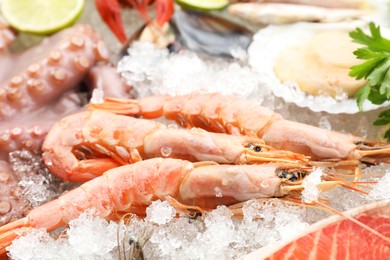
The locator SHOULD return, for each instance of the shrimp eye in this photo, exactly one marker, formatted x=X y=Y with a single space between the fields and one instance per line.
x=255 y=148
x=283 y=174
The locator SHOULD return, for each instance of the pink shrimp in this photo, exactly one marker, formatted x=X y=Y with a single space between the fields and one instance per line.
x=236 y=115
x=86 y=144
x=189 y=187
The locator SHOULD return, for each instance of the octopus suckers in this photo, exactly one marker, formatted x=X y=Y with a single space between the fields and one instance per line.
x=14 y=94
x=16 y=81
x=5 y=207
x=36 y=131
x=82 y=63
x=33 y=70
x=5 y=139
x=28 y=144
x=59 y=75
x=55 y=56
x=35 y=85
x=77 y=42
x=16 y=132
x=3 y=95
x=101 y=51
x=4 y=177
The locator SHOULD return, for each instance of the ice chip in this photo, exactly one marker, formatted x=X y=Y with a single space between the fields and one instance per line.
x=173 y=126
x=166 y=151
x=310 y=192
x=97 y=96
x=288 y=223
x=218 y=192
x=381 y=190
x=251 y=210
x=160 y=212
x=324 y=123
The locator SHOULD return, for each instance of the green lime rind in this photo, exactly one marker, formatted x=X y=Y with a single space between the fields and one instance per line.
x=40 y=17
x=203 y=5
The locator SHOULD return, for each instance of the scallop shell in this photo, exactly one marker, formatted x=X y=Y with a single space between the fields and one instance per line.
x=265 y=48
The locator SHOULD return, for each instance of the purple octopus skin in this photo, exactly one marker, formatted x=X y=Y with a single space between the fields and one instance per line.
x=106 y=78
x=28 y=131
x=38 y=77
x=12 y=206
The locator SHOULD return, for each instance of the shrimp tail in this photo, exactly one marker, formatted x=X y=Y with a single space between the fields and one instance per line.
x=9 y=232
x=118 y=106
x=45 y=216
x=150 y=107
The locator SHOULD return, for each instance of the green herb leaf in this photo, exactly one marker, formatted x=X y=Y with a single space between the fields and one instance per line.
x=387 y=135
x=375 y=69
x=375 y=43
x=384 y=118
x=364 y=70
x=365 y=54
x=362 y=95
x=379 y=72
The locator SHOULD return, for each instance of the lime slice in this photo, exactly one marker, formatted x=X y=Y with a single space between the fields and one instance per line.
x=203 y=5
x=41 y=16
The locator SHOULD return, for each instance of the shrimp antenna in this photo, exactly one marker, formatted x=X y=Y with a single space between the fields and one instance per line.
x=122 y=245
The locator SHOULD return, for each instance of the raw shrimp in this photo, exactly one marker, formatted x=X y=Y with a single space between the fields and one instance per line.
x=86 y=144
x=235 y=115
x=189 y=187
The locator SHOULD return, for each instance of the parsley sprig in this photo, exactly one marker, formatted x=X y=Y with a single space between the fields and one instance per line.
x=376 y=70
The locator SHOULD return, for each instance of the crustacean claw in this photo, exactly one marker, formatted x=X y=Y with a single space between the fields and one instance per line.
x=109 y=11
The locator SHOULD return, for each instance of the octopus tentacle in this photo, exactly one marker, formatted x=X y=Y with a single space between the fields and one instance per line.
x=29 y=136
x=59 y=64
x=12 y=206
x=28 y=131
x=106 y=78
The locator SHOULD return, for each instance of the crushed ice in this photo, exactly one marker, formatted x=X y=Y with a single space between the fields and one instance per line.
x=161 y=236
x=97 y=96
x=324 y=123
x=37 y=183
x=381 y=190
x=160 y=212
x=311 y=192
x=154 y=71
x=87 y=237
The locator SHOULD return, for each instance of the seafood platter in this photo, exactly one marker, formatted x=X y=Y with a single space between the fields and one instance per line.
x=140 y=129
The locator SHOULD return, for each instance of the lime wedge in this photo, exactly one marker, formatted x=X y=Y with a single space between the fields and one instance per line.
x=203 y=5
x=41 y=16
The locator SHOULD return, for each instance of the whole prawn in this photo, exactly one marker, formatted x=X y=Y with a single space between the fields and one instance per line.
x=238 y=116
x=84 y=145
x=189 y=187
